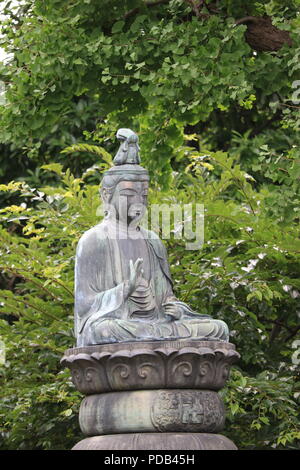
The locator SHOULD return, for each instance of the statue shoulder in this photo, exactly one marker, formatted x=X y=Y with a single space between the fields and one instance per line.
x=92 y=239
x=155 y=241
x=148 y=234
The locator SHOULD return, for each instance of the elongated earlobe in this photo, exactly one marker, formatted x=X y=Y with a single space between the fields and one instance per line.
x=104 y=195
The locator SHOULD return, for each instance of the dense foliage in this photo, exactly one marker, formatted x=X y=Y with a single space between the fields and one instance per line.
x=218 y=125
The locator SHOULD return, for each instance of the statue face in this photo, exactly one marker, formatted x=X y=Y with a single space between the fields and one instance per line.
x=129 y=200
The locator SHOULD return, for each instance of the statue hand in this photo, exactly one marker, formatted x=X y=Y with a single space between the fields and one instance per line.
x=173 y=310
x=135 y=271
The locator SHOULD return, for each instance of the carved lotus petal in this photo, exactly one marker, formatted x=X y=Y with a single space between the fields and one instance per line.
x=150 y=365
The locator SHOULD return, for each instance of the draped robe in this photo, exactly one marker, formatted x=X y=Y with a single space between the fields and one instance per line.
x=105 y=313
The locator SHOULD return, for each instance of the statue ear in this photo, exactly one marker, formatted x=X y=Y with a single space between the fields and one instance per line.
x=105 y=195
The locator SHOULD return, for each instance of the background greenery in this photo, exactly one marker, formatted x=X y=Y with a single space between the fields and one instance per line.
x=218 y=121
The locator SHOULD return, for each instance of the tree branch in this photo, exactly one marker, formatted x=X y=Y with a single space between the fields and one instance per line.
x=153 y=4
x=293 y=333
x=196 y=6
x=246 y=19
x=258 y=129
x=134 y=11
x=275 y=331
x=277 y=327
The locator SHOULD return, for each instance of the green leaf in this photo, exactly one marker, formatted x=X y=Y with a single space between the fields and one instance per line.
x=55 y=167
x=118 y=26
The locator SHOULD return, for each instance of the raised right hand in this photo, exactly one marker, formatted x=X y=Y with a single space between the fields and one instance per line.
x=135 y=271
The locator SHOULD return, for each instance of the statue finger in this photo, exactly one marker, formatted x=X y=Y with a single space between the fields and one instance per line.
x=131 y=267
x=169 y=308
x=138 y=263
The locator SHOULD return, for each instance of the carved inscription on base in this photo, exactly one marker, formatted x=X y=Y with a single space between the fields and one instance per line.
x=178 y=410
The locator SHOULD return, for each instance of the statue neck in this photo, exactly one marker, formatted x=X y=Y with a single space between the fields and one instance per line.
x=121 y=226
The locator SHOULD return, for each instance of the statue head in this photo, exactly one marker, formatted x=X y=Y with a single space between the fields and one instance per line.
x=124 y=187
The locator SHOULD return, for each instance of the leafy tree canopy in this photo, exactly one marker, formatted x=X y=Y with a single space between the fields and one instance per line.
x=211 y=88
x=156 y=66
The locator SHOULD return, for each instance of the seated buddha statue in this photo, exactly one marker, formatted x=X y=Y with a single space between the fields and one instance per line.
x=123 y=285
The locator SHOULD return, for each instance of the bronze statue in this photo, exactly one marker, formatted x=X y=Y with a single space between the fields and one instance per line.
x=123 y=286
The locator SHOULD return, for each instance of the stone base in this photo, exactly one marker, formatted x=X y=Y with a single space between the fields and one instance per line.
x=152 y=395
x=157 y=441
x=149 y=365
x=192 y=411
